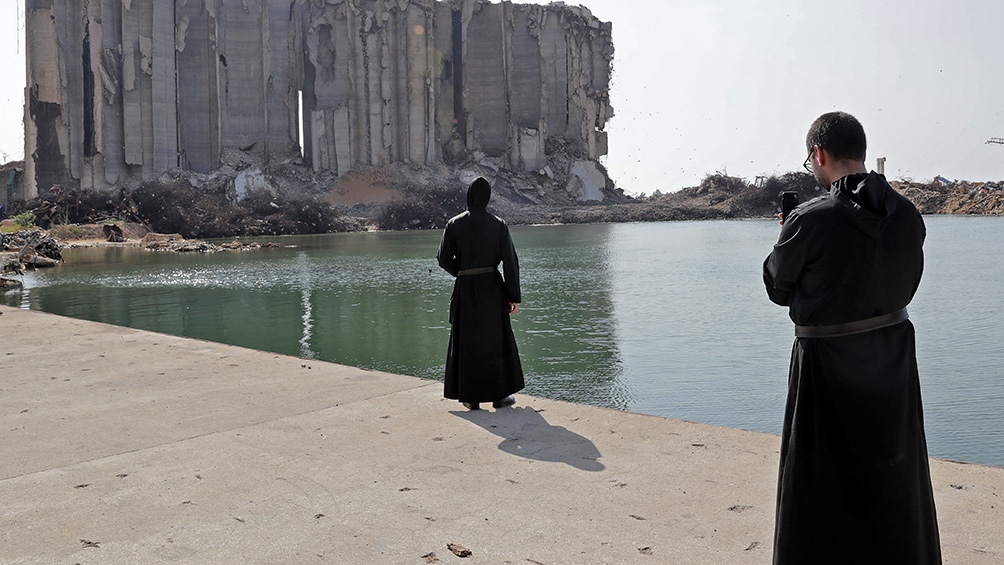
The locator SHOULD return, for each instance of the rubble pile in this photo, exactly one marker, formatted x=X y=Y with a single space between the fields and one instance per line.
x=26 y=249
x=955 y=197
x=177 y=244
x=720 y=196
x=726 y=197
x=290 y=198
x=736 y=198
x=175 y=203
x=183 y=246
x=424 y=208
x=31 y=242
x=74 y=206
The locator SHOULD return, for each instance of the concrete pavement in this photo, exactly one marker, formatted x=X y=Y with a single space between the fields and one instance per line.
x=121 y=446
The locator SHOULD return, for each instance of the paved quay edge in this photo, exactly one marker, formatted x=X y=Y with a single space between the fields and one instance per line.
x=125 y=446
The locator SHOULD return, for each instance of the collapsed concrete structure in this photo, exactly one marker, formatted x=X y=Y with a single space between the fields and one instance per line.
x=124 y=90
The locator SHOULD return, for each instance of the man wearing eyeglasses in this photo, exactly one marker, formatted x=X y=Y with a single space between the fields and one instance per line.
x=854 y=484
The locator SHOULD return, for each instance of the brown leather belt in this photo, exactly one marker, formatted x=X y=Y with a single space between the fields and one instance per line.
x=476 y=271
x=851 y=328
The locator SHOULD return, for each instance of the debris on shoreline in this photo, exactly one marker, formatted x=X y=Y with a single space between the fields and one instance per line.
x=28 y=249
x=177 y=244
x=33 y=249
x=421 y=198
x=721 y=197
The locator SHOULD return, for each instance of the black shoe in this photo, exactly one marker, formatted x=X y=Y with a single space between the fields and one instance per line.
x=471 y=405
x=507 y=401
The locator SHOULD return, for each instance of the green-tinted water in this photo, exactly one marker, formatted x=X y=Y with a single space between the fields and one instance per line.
x=375 y=300
x=668 y=319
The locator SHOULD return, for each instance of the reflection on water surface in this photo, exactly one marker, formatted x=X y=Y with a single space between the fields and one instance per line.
x=668 y=319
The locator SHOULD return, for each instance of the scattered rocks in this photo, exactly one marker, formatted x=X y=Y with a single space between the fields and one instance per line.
x=174 y=242
x=183 y=246
x=242 y=246
x=161 y=238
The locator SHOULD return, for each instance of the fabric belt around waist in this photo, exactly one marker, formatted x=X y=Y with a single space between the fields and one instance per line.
x=856 y=327
x=476 y=271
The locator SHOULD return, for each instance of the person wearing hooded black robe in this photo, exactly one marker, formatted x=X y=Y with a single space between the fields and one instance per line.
x=854 y=483
x=482 y=362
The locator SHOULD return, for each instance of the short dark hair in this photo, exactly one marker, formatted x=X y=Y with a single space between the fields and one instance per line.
x=841 y=134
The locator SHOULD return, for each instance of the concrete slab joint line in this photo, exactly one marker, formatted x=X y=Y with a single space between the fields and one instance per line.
x=418 y=86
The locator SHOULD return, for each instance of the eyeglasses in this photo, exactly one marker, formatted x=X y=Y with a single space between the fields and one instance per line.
x=808 y=160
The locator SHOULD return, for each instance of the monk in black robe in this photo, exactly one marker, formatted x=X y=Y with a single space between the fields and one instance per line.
x=854 y=483
x=482 y=363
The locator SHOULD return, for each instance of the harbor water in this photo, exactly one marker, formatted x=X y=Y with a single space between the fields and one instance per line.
x=669 y=319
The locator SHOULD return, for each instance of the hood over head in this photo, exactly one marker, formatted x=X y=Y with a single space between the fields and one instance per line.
x=478 y=195
x=867 y=201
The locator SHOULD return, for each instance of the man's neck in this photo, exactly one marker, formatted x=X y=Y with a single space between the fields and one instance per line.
x=841 y=169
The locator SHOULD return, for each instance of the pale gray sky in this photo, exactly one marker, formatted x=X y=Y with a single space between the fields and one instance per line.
x=731 y=85
x=12 y=79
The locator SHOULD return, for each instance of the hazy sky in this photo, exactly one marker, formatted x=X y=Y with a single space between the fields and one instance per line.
x=731 y=85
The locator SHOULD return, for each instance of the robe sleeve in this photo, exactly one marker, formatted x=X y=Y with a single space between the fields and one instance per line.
x=447 y=255
x=784 y=265
x=510 y=266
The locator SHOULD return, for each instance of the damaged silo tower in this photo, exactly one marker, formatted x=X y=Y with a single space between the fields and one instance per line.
x=124 y=90
x=128 y=89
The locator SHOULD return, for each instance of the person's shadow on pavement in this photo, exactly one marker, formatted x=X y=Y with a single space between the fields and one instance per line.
x=527 y=434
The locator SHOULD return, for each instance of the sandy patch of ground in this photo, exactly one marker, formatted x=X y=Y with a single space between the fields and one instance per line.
x=363 y=188
x=89 y=235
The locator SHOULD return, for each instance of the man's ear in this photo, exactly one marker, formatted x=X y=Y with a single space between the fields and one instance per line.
x=823 y=157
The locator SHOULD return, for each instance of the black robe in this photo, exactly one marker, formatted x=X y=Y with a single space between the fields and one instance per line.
x=854 y=484
x=482 y=362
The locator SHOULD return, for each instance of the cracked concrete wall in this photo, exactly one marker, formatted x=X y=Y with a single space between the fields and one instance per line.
x=198 y=95
x=374 y=70
x=243 y=52
x=123 y=90
x=46 y=140
x=386 y=76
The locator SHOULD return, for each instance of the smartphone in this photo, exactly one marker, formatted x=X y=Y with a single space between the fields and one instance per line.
x=789 y=199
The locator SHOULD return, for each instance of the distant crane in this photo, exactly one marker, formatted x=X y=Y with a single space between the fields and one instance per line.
x=997 y=140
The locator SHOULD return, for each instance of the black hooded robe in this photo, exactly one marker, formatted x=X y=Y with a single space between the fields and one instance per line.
x=854 y=484
x=482 y=362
